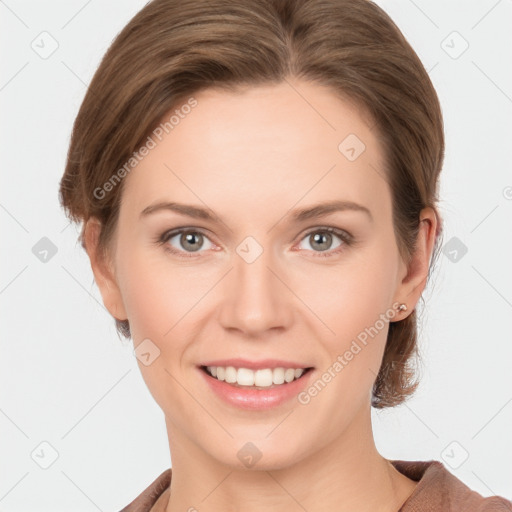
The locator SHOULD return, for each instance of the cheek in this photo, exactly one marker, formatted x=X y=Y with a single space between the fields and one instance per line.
x=164 y=302
x=153 y=294
x=157 y=300
x=357 y=308
x=146 y=298
x=355 y=294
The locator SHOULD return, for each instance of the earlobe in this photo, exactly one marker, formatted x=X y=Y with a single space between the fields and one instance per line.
x=104 y=274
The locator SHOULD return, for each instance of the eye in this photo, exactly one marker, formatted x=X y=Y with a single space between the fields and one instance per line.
x=188 y=241
x=321 y=239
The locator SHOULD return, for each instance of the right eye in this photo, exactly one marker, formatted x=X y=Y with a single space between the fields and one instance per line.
x=189 y=240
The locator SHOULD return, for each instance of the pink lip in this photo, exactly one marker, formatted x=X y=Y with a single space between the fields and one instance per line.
x=252 y=398
x=255 y=365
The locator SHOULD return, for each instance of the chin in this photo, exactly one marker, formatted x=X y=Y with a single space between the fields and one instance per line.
x=259 y=455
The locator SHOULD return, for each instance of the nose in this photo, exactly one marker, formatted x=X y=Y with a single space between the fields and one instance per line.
x=255 y=297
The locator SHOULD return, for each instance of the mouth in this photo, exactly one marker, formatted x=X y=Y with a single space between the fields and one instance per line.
x=261 y=378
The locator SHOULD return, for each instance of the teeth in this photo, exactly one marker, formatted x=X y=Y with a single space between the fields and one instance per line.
x=260 y=378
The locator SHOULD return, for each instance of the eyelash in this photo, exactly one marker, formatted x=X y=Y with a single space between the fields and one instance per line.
x=345 y=237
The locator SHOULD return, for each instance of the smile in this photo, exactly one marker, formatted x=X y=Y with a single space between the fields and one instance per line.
x=261 y=378
x=255 y=389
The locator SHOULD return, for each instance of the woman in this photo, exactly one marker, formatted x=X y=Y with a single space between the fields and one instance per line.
x=297 y=145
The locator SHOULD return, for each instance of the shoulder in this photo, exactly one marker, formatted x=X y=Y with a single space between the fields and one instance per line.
x=148 y=497
x=440 y=490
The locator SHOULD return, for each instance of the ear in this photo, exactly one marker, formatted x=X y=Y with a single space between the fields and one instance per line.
x=102 y=268
x=414 y=275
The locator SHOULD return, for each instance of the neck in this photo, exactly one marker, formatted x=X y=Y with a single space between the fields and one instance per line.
x=347 y=474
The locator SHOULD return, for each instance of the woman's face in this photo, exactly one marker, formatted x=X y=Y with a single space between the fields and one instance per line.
x=255 y=281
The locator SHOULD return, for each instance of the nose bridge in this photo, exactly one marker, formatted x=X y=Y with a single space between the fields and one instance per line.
x=255 y=300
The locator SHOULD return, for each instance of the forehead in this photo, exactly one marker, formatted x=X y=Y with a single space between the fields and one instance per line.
x=261 y=146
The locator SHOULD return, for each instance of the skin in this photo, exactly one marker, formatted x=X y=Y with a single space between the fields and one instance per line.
x=251 y=157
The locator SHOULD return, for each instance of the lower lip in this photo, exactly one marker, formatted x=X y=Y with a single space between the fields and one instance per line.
x=256 y=399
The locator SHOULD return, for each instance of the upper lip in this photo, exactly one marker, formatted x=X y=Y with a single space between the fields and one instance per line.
x=255 y=365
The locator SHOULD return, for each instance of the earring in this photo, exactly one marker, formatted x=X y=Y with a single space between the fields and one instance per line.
x=401 y=307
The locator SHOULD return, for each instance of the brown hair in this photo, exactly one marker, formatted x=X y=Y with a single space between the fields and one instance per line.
x=173 y=48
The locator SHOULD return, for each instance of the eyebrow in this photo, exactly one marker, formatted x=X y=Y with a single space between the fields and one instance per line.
x=298 y=215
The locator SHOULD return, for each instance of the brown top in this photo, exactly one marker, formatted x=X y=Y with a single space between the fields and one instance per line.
x=438 y=490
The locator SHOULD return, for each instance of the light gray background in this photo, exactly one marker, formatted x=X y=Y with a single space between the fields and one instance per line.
x=67 y=380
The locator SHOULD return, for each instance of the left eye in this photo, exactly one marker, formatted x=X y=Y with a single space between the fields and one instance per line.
x=322 y=239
